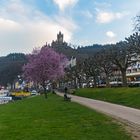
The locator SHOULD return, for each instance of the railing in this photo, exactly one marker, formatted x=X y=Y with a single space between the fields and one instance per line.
x=133 y=74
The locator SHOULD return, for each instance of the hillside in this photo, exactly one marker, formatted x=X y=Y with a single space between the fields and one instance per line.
x=10 y=67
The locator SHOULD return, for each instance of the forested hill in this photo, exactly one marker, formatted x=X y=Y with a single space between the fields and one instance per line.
x=16 y=57
x=80 y=52
x=11 y=66
x=89 y=49
x=66 y=50
x=11 y=59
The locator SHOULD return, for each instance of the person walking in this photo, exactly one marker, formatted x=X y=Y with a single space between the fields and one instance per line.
x=65 y=94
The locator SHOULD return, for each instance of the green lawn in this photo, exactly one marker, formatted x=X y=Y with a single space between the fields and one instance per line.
x=54 y=119
x=124 y=96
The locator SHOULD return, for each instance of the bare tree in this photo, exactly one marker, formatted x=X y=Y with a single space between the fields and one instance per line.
x=137 y=23
x=91 y=69
x=121 y=56
x=105 y=63
x=74 y=75
x=134 y=42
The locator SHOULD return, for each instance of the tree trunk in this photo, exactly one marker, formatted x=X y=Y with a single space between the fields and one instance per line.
x=75 y=83
x=124 y=79
x=79 y=82
x=11 y=86
x=95 y=84
x=107 y=81
x=45 y=91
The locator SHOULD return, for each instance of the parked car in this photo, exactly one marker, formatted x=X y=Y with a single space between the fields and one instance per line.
x=4 y=93
x=34 y=92
x=16 y=97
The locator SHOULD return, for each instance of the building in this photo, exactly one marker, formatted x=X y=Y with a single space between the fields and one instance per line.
x=59 y=42
x=132 y=74
x=61 y=46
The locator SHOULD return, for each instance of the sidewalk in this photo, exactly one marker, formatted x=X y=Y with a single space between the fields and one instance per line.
x=118 y=111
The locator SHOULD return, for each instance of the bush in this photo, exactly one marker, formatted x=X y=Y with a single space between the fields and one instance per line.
x=71 y=91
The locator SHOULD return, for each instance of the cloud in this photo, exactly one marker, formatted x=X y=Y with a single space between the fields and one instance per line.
x=66 y=23
x=24 y=30
x=102 y=5
x=15 y=7
x=87 y=14
x=110 y=34
x=23 y=37
x=8 y=25
x=62 y=4
x=104 y=17
x=107 y=17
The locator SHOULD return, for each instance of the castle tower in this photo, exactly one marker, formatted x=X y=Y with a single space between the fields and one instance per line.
x=60 y=37
x=59 y=43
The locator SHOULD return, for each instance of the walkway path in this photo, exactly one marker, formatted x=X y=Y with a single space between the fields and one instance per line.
x=118 y=111
x=129 y=117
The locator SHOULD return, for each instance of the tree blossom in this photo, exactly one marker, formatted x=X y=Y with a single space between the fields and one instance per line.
x=44 y=65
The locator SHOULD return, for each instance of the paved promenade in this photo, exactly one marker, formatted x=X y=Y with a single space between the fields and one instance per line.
x=118 y=111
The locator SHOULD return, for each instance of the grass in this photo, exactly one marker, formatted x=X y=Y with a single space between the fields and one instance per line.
x=123 y=96
x=54 y=119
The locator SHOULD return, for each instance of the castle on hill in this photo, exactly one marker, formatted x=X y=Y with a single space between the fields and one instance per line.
x=59 y=42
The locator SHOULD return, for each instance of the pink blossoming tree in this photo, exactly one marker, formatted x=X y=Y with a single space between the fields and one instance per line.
x=44 y=65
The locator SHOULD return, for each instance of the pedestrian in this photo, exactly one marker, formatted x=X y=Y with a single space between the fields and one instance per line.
x=66 y=90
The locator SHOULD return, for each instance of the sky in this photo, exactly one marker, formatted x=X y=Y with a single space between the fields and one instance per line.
x=28 y=24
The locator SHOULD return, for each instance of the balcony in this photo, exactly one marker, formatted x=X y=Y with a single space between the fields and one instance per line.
x=133 y=74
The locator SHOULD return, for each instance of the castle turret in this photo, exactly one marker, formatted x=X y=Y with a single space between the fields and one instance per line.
x=60 y=37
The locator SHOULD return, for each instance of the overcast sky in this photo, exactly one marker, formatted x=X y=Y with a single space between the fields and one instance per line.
x=27 y=24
